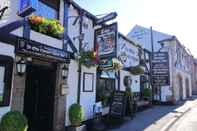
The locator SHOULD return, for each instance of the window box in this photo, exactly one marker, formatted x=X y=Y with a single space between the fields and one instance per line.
x=137 y=70
x=49 y=27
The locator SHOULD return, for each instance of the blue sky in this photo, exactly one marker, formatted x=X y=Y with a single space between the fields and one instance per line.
x=175 y=17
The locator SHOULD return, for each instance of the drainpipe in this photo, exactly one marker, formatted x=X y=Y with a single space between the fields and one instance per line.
x=80 y=46
x=152 y=51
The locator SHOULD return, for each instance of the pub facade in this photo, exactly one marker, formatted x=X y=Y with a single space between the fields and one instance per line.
x=53 y=54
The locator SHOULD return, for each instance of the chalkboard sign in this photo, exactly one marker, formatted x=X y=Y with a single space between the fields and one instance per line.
x=118 y=104
x=160 y=69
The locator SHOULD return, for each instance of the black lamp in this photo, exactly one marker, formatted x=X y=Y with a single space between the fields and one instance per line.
x=64 y=71
x=21 y=67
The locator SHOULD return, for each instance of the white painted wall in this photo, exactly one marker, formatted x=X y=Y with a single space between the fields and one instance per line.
x=87 y=99
x=129 y=51
x=71 y=98
x=135 y=81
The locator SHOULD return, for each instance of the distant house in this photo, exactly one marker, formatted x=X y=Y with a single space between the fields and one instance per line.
x=142 y=36
x=179 y=81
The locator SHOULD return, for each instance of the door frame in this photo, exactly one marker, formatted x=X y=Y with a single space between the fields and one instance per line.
x=49 y=67
x=18 y=90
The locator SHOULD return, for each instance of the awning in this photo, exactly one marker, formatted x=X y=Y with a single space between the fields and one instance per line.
x=108 y=74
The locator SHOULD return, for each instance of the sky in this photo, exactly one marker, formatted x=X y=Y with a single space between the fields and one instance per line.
x=174 y=17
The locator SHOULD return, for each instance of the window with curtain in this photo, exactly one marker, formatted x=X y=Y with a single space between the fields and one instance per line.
x=48 y=9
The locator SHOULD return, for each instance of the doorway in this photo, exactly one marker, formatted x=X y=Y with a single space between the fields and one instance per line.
x=187 y=87
x=180 y=86
x=39 y=97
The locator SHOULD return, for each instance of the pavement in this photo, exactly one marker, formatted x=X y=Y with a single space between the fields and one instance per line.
x=188 y=122
x=159 y=118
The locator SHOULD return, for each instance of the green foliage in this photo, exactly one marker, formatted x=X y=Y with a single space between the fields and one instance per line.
x=137 y=70
x=76 y=114
x=147 y=92
x=13 y=121
x=129 y=92
x=1 y=98
x=88 y=58
x=46 y=26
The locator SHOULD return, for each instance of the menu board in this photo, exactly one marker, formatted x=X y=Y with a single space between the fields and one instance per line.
x=160 y=69
x=118 y=105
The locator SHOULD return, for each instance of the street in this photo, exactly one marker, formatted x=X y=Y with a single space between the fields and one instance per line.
x=165 y=118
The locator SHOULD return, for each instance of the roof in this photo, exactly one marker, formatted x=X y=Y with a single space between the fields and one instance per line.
x=87 y=13
x=129 y=40
x=142 y=35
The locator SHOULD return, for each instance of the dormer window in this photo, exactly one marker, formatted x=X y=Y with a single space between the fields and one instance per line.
x=48 y=9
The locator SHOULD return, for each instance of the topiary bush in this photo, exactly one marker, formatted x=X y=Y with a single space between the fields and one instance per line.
x=76 y=114
x=13 y=121
x=147 y=93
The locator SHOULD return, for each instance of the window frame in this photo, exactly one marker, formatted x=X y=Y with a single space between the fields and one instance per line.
x=106 y=80
x=7 y=62
x=53 y=7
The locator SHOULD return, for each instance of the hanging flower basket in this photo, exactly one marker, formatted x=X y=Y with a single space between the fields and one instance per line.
x=116 y=65
x=49 y=27
x=88 y=58
x=137 y=70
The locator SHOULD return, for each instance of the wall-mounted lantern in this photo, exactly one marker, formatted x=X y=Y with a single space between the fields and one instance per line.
x=21 y=67
x=65 y=71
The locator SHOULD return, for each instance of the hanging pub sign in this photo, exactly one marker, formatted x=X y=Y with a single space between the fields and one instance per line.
x=160 y=69
x=27 y=7
x=28 y=47
x=106 y=41
x=105 y=64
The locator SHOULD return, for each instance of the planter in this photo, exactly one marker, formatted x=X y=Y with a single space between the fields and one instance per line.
x=137 y=70
x=49 y=27
x=78 y=128
x=88 y=58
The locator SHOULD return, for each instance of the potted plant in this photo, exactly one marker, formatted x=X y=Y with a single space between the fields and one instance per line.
x=147 y=93
x=137 y=70
x=76 y=117
x=14 y=121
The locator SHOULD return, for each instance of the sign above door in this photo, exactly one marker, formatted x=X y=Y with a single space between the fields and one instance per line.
x=28 y=47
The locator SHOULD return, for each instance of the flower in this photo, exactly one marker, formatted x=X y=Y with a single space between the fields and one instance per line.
x=88 y=58
x=46 y=26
